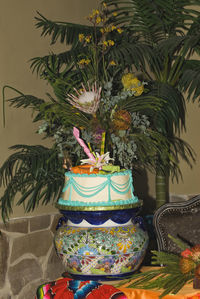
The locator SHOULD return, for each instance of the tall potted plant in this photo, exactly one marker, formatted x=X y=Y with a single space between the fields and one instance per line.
x=170 y=34
x=96 y=91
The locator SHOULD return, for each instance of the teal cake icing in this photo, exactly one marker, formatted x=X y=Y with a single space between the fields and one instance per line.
x=95 y=190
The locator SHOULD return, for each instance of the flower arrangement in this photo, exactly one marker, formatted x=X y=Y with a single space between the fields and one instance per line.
x=103 y=101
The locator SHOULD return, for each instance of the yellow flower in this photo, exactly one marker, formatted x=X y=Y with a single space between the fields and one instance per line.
x=81 y=37
x=111 y=42
x=113 y=27
x=95 y=12
x=102 y=30
x=88 y=39
x=114 y=14
x=105 y=43
x=130 y=82
x=112 y=62
x=84 y=61
x=98 y=20
x=104 y=5
x=119 y=30
x=107 y=29
x=126 y=80
x=87 y=61
x=138 y=91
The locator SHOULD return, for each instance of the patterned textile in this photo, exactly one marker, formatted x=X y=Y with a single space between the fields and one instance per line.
x=66 y=288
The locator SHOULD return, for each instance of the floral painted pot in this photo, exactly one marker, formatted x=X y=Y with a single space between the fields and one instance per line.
x=97 y=252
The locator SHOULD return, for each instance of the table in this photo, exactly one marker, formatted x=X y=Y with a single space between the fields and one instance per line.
x=107 y=290
x=187 y=292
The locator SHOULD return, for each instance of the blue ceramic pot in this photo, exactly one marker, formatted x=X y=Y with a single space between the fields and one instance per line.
x=101 y=245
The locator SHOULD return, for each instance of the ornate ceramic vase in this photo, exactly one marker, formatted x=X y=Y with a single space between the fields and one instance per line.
x=101 y=245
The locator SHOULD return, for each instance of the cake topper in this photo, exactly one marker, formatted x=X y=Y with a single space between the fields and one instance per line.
x=96 y=160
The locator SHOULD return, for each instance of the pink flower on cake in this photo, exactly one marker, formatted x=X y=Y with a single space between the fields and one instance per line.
x=100 y=160
x=86 y=100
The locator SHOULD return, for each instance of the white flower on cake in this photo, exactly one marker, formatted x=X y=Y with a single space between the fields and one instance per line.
x=86 y=100
x=100 y=160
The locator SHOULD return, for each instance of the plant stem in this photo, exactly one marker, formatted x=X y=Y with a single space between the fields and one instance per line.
x=162 y=188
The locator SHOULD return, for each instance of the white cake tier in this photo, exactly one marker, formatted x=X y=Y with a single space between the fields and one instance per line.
x=98 y=189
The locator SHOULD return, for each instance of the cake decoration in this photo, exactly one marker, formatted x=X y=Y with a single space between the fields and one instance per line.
x=96 y=182
x=94 y=159
x=82 y=144
x=100 y=161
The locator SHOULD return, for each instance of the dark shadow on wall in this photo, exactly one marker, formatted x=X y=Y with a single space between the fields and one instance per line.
x=141 y=190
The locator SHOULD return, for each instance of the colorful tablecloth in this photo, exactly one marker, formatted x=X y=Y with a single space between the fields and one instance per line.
x=66 y=288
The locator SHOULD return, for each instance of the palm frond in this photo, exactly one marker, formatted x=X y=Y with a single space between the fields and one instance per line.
x=172 y=114
x=67 y=32
x=154 y=21
x=129 y=52
x=143 y=103
x=164 y=104
x=56 y=61
x=171 y=46
x=63 y=114
x=190 y=79
x=169 y=278
x=23 y=101
x=148 y=146
x=34 y=172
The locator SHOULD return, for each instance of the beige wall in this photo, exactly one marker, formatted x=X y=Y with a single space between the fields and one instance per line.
x=191 y=177
x=20 y=41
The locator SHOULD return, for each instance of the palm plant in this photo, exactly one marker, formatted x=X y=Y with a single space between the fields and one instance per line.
x=98 y=57
x=170 y=33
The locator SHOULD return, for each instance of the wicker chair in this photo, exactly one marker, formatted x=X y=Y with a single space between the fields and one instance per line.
x=179 y=219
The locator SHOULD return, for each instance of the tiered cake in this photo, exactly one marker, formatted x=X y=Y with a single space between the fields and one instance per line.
x=103 y=238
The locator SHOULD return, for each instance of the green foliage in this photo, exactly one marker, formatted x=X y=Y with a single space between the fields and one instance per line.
x=169 y=278
x=181 y=244
x=171 y=31
x=67 y=32
x=35 y=172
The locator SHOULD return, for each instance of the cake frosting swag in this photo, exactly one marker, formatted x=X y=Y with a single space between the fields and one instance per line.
x=98 y=189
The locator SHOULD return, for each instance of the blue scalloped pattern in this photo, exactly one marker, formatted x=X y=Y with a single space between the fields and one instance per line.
x=100 y=217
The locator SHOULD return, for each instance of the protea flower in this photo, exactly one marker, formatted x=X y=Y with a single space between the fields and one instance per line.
x=196 y=253
x=186 y=265
x=122 y=120
x=86 y=100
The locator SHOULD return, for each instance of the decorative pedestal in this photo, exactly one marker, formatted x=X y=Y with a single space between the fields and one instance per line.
x=101 y=245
